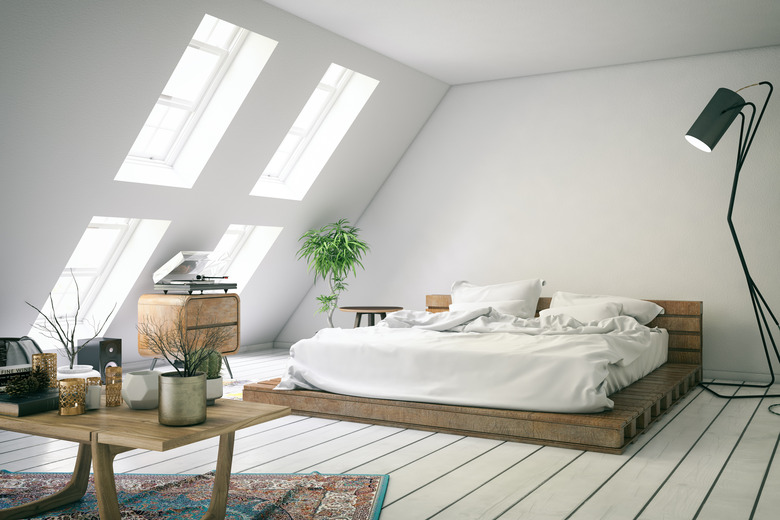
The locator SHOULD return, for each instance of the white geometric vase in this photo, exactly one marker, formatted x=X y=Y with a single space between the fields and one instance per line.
x=141 y=390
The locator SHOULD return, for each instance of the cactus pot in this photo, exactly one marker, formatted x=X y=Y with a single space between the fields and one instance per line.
x=213 y=390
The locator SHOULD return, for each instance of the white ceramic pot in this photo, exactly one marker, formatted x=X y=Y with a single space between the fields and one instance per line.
x=140 y=390
x=213 y=390
x=82 y=371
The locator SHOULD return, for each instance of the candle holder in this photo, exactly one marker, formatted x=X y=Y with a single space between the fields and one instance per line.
x=113 y=386
x=93 y=393
x=72 y=396
x=48 y=363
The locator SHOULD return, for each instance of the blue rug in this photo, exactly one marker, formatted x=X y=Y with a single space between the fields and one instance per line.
x=251 y=496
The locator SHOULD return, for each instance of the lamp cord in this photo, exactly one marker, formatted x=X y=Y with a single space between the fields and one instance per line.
x=753 y=85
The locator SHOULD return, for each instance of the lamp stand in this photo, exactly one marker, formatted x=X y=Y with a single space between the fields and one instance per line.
x=761 y=308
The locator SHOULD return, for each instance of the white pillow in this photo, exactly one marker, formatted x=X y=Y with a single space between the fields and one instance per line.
x=513 y=307
x=586 y=313
x=643 y=311
x=527 y=290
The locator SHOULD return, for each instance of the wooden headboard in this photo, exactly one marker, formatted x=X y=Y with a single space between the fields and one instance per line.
x=682 y=319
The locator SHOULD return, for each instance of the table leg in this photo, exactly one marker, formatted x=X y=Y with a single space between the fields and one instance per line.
x=73 y=490
x=358 y=315
x=105 y=485
x=371 y=320
x=219 y=492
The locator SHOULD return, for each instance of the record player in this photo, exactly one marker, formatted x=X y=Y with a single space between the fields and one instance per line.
x=191 y=271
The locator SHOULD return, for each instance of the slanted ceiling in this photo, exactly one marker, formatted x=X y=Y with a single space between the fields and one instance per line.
x=468 y=41
x=79 y=79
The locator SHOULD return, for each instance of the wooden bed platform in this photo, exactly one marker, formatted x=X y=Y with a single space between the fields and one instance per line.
x=636 y=406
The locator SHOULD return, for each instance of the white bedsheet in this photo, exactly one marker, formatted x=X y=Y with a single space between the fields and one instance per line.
x=480 y=358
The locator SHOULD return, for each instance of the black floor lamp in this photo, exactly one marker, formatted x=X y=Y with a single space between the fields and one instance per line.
x=720 y=112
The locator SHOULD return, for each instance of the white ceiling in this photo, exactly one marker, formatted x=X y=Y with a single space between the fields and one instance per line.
x=465 y=41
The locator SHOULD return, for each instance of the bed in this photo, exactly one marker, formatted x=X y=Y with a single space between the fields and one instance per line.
x=609 y=427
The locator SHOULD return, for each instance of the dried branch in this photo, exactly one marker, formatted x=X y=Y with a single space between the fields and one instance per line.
x=63 y=329
x=176 y=344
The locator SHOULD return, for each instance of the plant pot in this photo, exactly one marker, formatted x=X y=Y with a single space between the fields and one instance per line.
x=213 y=390
x=82 y=371
x=182 y=399
x=140 y=390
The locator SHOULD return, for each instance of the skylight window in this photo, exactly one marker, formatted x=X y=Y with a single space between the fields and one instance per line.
x=244 y=247
x=323 y=122
x=105 y=264
x=203 y=94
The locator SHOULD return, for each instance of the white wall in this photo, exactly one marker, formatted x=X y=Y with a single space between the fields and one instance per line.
x=584 y=179
x=77 y=81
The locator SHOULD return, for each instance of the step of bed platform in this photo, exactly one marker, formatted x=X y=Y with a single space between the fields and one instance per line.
x=636 y=408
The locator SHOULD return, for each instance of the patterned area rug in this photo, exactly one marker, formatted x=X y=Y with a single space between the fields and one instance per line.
x=251 y=496
x=234 y=388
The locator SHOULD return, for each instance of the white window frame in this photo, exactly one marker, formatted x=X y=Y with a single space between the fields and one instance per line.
x=248 y=251
x=198 y=106
x=113 y=279
x=230 y=86
x=303 y=164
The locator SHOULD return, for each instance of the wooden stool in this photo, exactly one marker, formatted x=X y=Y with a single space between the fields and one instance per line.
x=371 y=311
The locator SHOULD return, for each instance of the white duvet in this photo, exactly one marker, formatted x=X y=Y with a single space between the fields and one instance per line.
x=480 y=358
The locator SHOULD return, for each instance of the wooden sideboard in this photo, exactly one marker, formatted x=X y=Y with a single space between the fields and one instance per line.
x=200 y=311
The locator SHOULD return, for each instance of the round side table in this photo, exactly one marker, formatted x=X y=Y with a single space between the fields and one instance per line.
x=371 y=312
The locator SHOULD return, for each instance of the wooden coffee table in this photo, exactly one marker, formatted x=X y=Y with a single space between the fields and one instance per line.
x=106 y=432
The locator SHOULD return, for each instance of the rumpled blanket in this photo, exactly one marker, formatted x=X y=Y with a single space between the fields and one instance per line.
x=473 y=358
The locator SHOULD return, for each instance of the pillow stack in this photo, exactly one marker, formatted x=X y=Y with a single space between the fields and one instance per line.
x=518 y=298
x=600 y=305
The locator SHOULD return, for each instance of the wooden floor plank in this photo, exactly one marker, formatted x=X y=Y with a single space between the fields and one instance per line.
x=444 y=491
x=509 y=487
x=347 y=462
x=769 y=499
x=736 y=490
x=420 y=473
x=312 y=456
x=629 y=489
x=407 y=455
x=685 y=490
x=560 y=496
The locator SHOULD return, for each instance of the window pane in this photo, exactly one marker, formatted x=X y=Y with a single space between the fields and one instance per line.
x=222 y=35
x=93 y=248
x=313 y=109
x=333 y=75
x=160 y=131
x=192 y=75
x=205 y=28
x=216 y=32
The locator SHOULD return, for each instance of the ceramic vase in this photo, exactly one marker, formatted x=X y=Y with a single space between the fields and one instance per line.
x=140 y=390
x=82 y=371
x=213 y=390
x=182 y=399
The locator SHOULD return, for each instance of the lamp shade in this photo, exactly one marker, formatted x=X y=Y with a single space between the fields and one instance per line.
x=716 y=118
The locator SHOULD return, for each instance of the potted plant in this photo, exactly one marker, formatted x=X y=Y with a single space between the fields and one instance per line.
x=212 y=367
x=182 y=392
x=332 y=252
x=62 y=329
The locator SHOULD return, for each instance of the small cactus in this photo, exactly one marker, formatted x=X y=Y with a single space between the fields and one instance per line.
x=212 y=365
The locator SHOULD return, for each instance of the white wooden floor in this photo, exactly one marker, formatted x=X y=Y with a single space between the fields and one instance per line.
x=708 y=458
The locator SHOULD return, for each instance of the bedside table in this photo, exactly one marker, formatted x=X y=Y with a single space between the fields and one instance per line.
x=371 y=312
